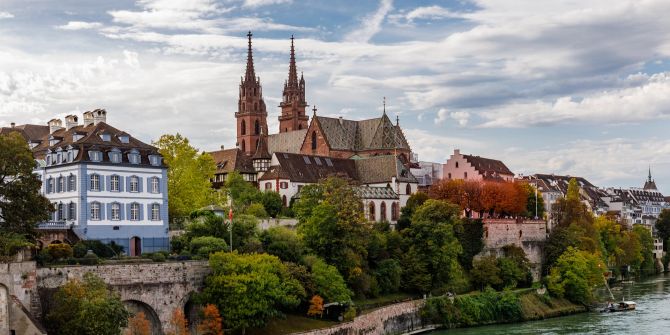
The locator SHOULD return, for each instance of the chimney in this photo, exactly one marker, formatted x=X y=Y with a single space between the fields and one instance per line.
x=340 y=120
x=99 y=115
x=457 y=152
x=54 y=125
x=13 y=124
x=222 y=147
x=71 y=121
x=88 y=118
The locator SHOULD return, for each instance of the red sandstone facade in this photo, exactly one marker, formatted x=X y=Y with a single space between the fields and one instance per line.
x=293 y=103
x=251 y=113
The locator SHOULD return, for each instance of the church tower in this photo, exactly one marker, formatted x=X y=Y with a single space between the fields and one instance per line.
x=293 y=103
x=251 y=113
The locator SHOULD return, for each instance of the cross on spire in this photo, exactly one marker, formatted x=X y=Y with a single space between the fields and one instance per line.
x=250 y=73
x=314 y=109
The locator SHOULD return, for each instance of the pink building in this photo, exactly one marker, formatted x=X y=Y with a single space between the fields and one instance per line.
x=468 y=167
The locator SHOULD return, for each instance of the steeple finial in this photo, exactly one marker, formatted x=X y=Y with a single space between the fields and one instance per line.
x=384 y=105
x=397 y=120
x=292 y=70
x=250 y=73
x=649 y=172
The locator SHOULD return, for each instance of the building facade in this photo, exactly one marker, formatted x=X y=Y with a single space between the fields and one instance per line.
x=105 y=184
x=469 y=167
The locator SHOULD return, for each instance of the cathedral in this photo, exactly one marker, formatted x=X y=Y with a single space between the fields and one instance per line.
x=322 y=137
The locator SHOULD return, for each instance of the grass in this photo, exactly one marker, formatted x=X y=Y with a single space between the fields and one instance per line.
x=291 y=324
x=537 y=307
x=373 y=303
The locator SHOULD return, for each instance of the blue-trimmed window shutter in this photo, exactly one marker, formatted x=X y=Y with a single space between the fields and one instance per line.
x=128 y=187
x=102 y=211
x=141 y=211
x=102 y=183
x=121 y=184
x=109 y=211
x=122 y=212
x=108 y=182
x=88 y=211
x=139 y=184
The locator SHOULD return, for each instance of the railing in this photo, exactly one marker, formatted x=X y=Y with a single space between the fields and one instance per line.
x=53 y=225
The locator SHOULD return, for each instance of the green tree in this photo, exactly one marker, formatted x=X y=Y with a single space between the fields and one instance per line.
x=532 y=194
x=415 y=200
x=86 y=307
x=662 y=226
x=283 y=243
x=485 y=272
x=245 y=231
x=470 y=235
x=205 y=245
x=272 y=202
x=575 y=275
x=647 y=266
x=189 y=175
x=257 y=210
x=250 y=290
x=241 y=192
x=21 y=203
x=388 y=274
x=328 y=282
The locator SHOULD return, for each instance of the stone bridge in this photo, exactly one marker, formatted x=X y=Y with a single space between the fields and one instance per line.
x=157 y=289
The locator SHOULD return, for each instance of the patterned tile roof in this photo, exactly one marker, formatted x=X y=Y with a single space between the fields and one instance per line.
x=381 y=169
x=378 y=133
x=371 y=192
x=290 y=142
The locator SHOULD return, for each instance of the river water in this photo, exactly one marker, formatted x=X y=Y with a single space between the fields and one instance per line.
x=652 y=316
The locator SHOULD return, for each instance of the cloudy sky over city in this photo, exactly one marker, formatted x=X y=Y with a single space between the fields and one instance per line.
x=565 y=87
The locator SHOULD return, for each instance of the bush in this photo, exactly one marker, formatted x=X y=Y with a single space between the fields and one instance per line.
x=471 y=310
x=205 y=245
x=272 y=203
x=283 y=243
x=388 y=275
x=11 y=244
x=286 y=212
x=100 y=249
x=59 y=251
x=158 y=257
x=89 y=259
x=257 y=210
x=349 y=314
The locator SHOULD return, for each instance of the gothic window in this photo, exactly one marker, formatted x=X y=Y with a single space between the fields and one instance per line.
x=244 y=147
x=394 y=211
x=457 y=165
x=408 y=189
x=382 y=210
x=243 y=128
x=256 y=106
x=257 y=128
x=314 y=140
x=371 y=211
x=300 y=127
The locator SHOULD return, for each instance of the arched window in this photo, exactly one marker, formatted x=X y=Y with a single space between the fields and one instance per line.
x=371 y=211
x=457 y=165
x=244 y=106
x=243 y=128
x=449 y=175
x=268 y=186
x=408 y=189
x=382 y=210
x=243 y=146
x=394 y=211
x=257 y=127
x=300 y=127
x=314 y=140
x=283 y=200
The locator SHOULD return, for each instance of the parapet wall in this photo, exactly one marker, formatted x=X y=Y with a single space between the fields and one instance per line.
x=399 y=318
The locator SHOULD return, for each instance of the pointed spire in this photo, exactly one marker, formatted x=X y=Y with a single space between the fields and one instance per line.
x=250 y=73
x=397 y=120
x=649 y=172
x=292 y=70
x=384 y=105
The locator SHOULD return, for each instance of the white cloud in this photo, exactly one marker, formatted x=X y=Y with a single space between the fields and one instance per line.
x=79 y=25
x=436 y=148
x=259 y=3
x=371 y=24
x=423 y=13
x=6 y=15
x=461 y=117
x=649 y=101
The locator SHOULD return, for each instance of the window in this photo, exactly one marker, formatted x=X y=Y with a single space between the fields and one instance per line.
x=72 y=183
x=134 y=157
x=243 y=126
x=257 y=127
x=457 y=165
x=155 y=212
x=155 y=160
x=134 y=212
x=268 y=186
x=116 y=211
x=72 y=211
x=61 y=212
x=59 y=158
x=114 y=183
x=465 y=175
x=306 y=159
x=394 y=211
x=382 y=210
x=115 y=157
x=50 y=185
x=449 y=175
x=155 y=186
x=48 y=159
x=60 y=184
x=95 y=182
x=69 y=156
x=371 y=211
x=283 y=185
x=314 y=140
x=300 y=127
x=95 y=156
x=95 y=211
x=408 y=189
x=134 y=184
x=329 y=162
x=124 y=138
x=105 y=137
x=244 y=146
x=317 y=160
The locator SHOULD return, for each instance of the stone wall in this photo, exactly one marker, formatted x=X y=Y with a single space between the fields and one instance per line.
x=530 y=235
x=394 y=319
x=17 y=289
x=158 y=288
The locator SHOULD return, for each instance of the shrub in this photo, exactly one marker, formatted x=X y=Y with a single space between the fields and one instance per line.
x=59 y=251
x=89 y=259
x=272 y=203
x=158 y=257
x=205 y=245
x=470 y=310
x=257 y=210
x=349 y=314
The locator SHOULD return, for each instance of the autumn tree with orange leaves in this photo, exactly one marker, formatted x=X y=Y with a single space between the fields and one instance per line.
x=492 y=198
x=178 y=323
x=316 y=306
x=138 y=325
x=211 y=322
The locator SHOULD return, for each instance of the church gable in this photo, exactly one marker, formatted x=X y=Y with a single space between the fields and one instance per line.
x=315 y=142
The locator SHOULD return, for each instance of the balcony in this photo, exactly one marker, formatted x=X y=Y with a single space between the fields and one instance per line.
x=53 y=225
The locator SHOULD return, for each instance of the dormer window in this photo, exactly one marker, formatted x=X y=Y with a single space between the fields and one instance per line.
x=106 y=137
x=77 y=137
x=155 y=160
x=95 y=156
x=124 y=138
x=53 y=141
x=115 y=156
x=48 y=160
x=134 y=157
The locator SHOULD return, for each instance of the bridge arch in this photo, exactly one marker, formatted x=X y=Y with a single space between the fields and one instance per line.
x=136 y=306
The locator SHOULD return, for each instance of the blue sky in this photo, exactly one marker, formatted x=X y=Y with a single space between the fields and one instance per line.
x=579 y=88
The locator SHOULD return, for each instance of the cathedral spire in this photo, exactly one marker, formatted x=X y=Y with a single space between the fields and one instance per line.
x=250 y=74
x=650 y=172
x=384 y=105
x=292 y=70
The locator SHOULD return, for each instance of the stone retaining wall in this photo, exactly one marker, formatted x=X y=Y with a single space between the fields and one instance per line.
x=394 y=319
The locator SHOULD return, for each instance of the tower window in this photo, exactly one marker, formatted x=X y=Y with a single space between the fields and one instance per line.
x=257 y=127
x=244 y=147
x=243 y=128
x=256 y=106
x=300 y=127
x=314 y=140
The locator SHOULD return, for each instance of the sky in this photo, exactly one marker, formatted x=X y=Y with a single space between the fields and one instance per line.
x=567 y=87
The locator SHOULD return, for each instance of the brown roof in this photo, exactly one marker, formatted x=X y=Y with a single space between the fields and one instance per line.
x=309 y=169
x=290 y=141
x=377 y=133
x=229 y=160
x=489 y=168
x=381 y=169
x=30 y=132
